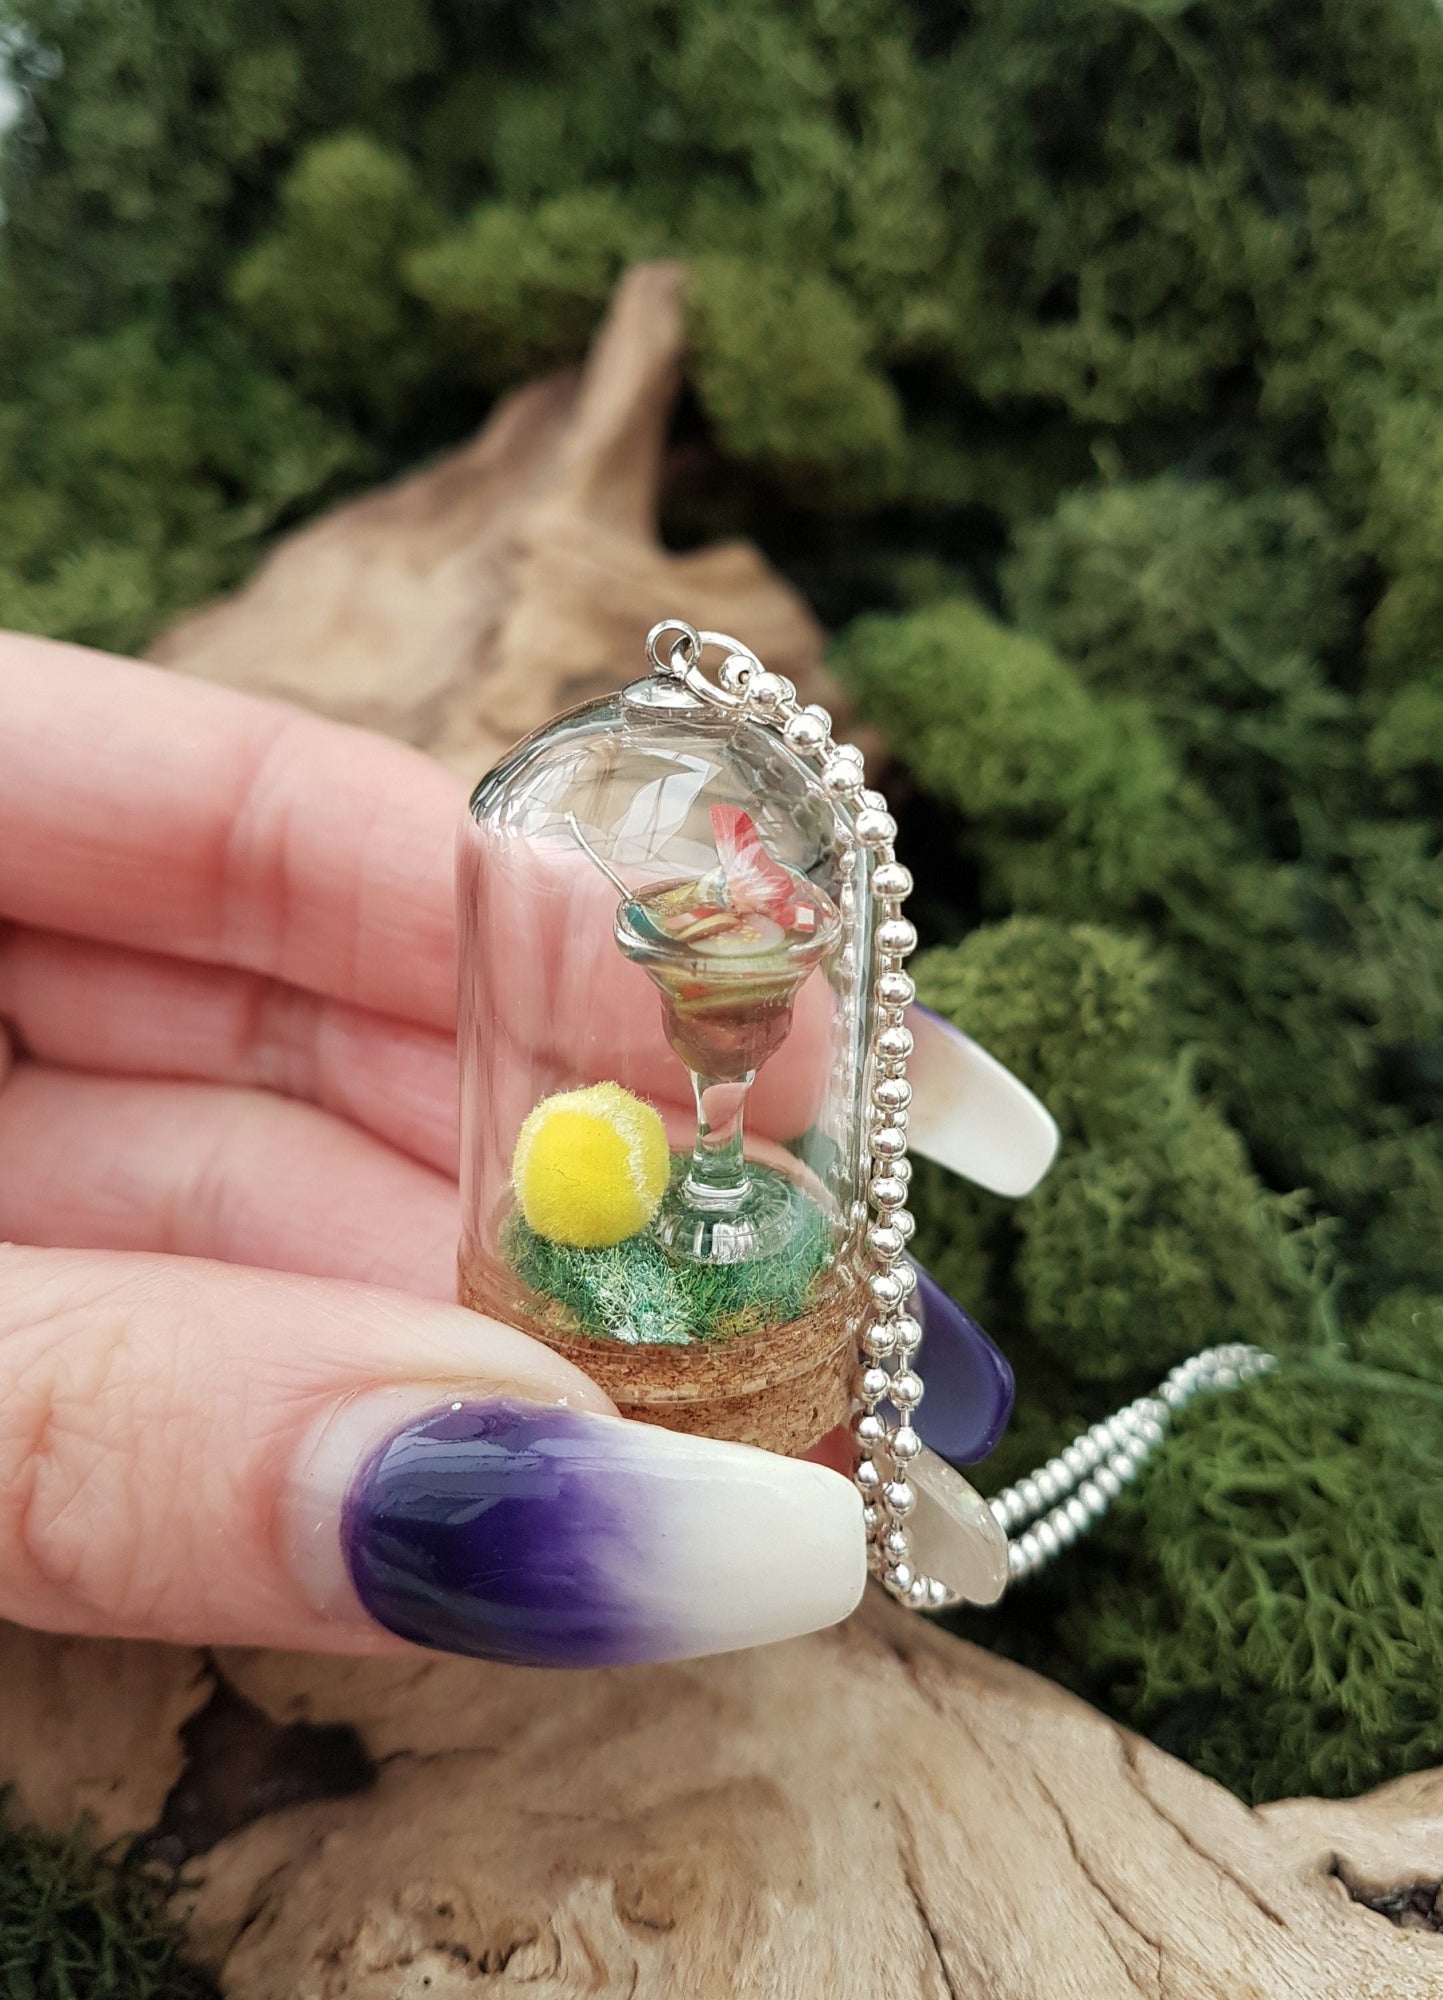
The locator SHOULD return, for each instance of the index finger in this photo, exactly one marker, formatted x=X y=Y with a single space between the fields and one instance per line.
x=142 y=808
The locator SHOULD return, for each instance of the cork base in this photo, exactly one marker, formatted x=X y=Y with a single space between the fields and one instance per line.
x=782 y=1388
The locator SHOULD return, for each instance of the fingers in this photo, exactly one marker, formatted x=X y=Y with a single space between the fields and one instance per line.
x=99 y=1007
x=195 y=1453
x=145 y=809
x=202 y=1171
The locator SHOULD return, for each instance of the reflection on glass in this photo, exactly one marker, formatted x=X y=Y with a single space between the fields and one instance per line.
x=662 y=1031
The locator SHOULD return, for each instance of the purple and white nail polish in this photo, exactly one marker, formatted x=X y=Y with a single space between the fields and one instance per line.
x=547 y=1536
x=971 y=1114
x=969 y=1381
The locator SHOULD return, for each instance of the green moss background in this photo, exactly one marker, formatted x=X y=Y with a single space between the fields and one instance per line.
x=1083 y=361
x=81 y=1923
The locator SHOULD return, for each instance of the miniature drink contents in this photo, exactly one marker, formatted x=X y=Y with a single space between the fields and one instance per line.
x=728 y=954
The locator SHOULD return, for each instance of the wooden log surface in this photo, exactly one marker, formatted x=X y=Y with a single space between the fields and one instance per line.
x=880 y=1810
x=466 y=605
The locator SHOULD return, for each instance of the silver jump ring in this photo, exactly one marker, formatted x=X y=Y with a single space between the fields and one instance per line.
x=739 y=666
x=675 y=650
x=681 y=657
x=733 y=648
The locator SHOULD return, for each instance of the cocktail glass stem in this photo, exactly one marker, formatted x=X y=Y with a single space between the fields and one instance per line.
x=717 y=1177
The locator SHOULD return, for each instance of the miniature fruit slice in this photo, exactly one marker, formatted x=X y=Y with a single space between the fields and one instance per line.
x=743 y=937
x=591 y=1166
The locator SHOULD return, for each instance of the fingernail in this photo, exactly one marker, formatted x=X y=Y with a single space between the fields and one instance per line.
x=548 y=1536
x=969 y=1382
x=971 y=1114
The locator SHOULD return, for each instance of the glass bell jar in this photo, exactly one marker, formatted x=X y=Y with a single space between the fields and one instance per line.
x=664 y=979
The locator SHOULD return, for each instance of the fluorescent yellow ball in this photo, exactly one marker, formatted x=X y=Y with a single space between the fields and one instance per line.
x=591 y=1166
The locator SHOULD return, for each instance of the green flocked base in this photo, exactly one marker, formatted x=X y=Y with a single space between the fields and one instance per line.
x=635 y=1291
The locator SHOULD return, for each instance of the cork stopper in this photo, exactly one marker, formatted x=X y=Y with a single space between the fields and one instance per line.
x=781 y=1388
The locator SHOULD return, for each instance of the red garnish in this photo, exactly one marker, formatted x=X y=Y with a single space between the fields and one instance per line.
x=756 y=884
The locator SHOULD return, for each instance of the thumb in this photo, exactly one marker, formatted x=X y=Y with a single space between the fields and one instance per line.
x=197 y=1452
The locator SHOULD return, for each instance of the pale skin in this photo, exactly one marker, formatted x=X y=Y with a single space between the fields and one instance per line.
x=227 y=1136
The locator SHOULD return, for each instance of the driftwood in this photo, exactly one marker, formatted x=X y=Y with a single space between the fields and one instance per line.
x=463 y=607
x=93 y=1727
x=878 y=1810
x=875 y=1811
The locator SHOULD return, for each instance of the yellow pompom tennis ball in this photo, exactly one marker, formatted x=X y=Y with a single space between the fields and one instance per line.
x=591 y=1166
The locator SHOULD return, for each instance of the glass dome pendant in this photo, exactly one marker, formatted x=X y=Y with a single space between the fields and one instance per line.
x=684 y=1092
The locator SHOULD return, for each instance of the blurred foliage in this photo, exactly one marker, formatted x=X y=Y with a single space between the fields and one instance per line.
x=76 y=1921
x=1083 y=360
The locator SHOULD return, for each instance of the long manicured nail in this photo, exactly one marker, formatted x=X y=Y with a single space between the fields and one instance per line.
x=971 y=1114
x=969 y=1382
x=547 y=1536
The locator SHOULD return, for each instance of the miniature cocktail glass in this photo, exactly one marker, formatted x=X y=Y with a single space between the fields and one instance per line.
x=728 y=955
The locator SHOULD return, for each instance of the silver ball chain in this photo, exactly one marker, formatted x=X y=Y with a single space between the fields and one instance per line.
x=888 y=1386
x=1061 y=1500
x=1058 y=1502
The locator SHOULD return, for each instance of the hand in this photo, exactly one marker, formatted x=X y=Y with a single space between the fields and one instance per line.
x=226 y=972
